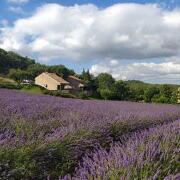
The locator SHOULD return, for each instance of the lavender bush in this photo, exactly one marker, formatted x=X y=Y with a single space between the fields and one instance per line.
x=149 y=154
x=43 y=136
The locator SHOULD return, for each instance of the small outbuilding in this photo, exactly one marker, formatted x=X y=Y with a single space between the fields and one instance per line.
x=76 y=84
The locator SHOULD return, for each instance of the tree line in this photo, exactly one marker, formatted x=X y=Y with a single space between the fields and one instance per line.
x=104 y=86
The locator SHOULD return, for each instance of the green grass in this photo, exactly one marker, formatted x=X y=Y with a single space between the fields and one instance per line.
x=32 y=89
x=8 y=83
x=4 y=80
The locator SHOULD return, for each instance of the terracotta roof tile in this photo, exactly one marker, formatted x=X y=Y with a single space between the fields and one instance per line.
x=75 y=78
x=57 y=78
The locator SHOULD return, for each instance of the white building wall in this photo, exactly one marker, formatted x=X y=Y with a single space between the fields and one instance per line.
x=46 y=82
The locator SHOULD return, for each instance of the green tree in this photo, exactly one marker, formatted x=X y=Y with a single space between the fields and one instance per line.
x=86 y=76
x=138 y=94
x=9 y=60
x=36 y=69
x=150 y=93
x=89 y=80
x=174 y=97
x=166 y=91
x=105 y=81
x=160 y=99
x=105 y=84
x=121 y=90
x=18 y=74
x=61 y=70
x=106 y=94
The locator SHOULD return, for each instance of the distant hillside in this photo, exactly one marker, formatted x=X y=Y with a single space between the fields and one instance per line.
x=135 y=84
x=10 y=60
x=18 y=67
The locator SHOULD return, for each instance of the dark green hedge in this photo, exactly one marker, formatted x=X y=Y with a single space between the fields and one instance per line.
x=10 y=86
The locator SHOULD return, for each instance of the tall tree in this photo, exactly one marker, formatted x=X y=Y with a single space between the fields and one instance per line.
x=61 y=70
x=150 y=93
x=166 y=91
x=105 y=85
x=121 y=90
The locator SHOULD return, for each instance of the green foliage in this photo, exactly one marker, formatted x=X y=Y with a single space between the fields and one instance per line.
x=121 y=90
x=10 y=60
x=133 y=90
x=106 y=94
x=10 y=86
x=105 y=83
x=18 y=74
x=82 y=95
x=161 y=99
x=150 y=93
x=7 y=80
x=103 y=86
x=116 y=130
x=165 y=163
x=35 y=158
x=137 y=94
x=166 y=91
x=86 y=76
x=166 y=94
x=35 y=69
x=61 y=70
x=58 y=93
x=174 y=97
x=32 y=89
x=19 y=68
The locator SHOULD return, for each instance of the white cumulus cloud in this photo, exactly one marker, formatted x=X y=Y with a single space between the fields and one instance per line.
x=146 y=71
x=85 y=32
x=130 y=31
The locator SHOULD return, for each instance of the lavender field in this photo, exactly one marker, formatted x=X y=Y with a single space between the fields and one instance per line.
x=44 y=137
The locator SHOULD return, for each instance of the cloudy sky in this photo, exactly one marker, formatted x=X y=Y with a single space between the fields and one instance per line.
x=131 y=39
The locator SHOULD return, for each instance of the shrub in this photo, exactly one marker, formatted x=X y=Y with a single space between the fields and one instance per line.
x=58 y=93
x=10 y=86
x=82 y=95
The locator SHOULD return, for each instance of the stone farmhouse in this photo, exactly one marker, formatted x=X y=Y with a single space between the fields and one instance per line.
x=53 y=82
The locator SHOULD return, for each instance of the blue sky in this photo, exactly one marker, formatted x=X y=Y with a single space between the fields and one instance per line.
x=33 y=4
x=131 y=40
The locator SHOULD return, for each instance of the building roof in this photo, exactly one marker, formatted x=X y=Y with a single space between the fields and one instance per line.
x=57 y=78
x=75 y=78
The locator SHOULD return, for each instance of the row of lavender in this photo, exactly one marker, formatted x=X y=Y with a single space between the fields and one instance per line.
x=57 y=117
x=150 y=154
x=43 y=136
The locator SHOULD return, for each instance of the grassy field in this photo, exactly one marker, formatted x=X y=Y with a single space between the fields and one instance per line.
x=6 y=80
x=25 y=88
x=32 y=89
